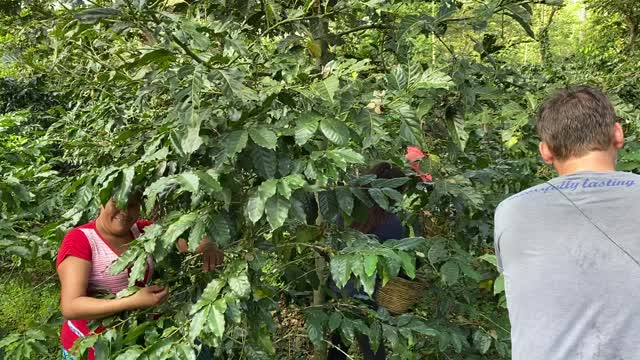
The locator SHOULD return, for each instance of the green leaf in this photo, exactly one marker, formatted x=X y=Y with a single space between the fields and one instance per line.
x=346 y=155
x=392 y=194
x=434 y=79
x=334 y=321
x=197 y=233
x=368 y=282
x=155 y=189
x=192 y=141
x=345 y=199
x=300 y=206
x=290 y=183
x=284 y=189
x=159 y=350
x=498 y=285
x=315 y=324
x=210 y=180
x=389 y=183
x=391 y=266
x=412 y=23
x=335 y=130
x=410 y=126
x=406 y=244
x=264 y=161
x=390 y=333
x=490 y=258
x=127 y=292
x=156 y=156
x=421 y=328
x=240 y=285
x=197 y=322
x=407 y=264
x=93 y=15
x=326 y=88
x=397 y=79
x=138 y=269
x=178 y=228
x=123 y=261
x=255 y=208
x=379 y=197
x=135 y=333
x=437 y=253
x=220 y=229
x=132 y=353
x=185 y=352
x=481 y=341
x=411 y=134
x=347 y=330
x=267 y=189
x=264 y=137
x=362 y=196
x=106 y=179
x=450 y=272
x=10 y=339
x=370 y=127
x=328 y=205
x=209 y=295
x=456 y=127
x=232 y=86
x=306 y=127
x=157 y=56
x=235 y=142
x=370 y=264
x=189 y=181
x=340 y=269
x=277 y=209
x=216 y=323
x=519 y=14
x=124 y=189
x=375 y=333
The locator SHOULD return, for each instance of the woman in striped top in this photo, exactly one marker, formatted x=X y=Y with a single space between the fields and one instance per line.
x=83 y=263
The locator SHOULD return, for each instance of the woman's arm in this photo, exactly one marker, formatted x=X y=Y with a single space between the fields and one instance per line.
x=76 y=305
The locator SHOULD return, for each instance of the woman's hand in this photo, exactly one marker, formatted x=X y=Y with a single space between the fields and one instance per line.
x=76 y=305
x=212 y=256
x=150 y=296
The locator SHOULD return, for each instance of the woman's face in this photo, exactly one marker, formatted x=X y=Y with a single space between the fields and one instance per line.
x=117 y=221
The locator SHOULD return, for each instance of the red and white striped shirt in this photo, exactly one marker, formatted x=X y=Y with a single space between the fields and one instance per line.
x=85 y=242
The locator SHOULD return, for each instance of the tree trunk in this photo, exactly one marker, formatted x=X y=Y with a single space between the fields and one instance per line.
x=320 y=352
x=544 y=39
x=632 y=23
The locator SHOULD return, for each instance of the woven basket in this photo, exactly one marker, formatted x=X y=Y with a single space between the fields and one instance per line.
x=399 y=294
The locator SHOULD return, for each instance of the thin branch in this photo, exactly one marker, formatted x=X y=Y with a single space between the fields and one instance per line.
x=546 y=28
x=338 y=348
x=361 y=28
x=285 y=21
x=445 y=45
x=175 y=39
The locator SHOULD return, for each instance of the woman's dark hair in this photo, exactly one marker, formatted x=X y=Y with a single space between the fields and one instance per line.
x=376 y=215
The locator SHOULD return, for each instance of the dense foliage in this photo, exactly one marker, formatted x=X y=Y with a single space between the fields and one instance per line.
x=253 y=122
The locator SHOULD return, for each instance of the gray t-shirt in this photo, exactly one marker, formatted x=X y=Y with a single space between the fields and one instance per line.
x=572 y=294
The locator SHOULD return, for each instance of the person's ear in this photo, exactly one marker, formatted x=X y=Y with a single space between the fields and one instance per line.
x=618 y=136
x=545 y=153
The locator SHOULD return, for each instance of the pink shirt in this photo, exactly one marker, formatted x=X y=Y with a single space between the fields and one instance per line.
x=86 y=243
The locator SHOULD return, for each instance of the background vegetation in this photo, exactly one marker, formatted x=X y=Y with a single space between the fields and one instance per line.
x=253 y=122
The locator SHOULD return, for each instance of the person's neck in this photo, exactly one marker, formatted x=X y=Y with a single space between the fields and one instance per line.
x=595 y=161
